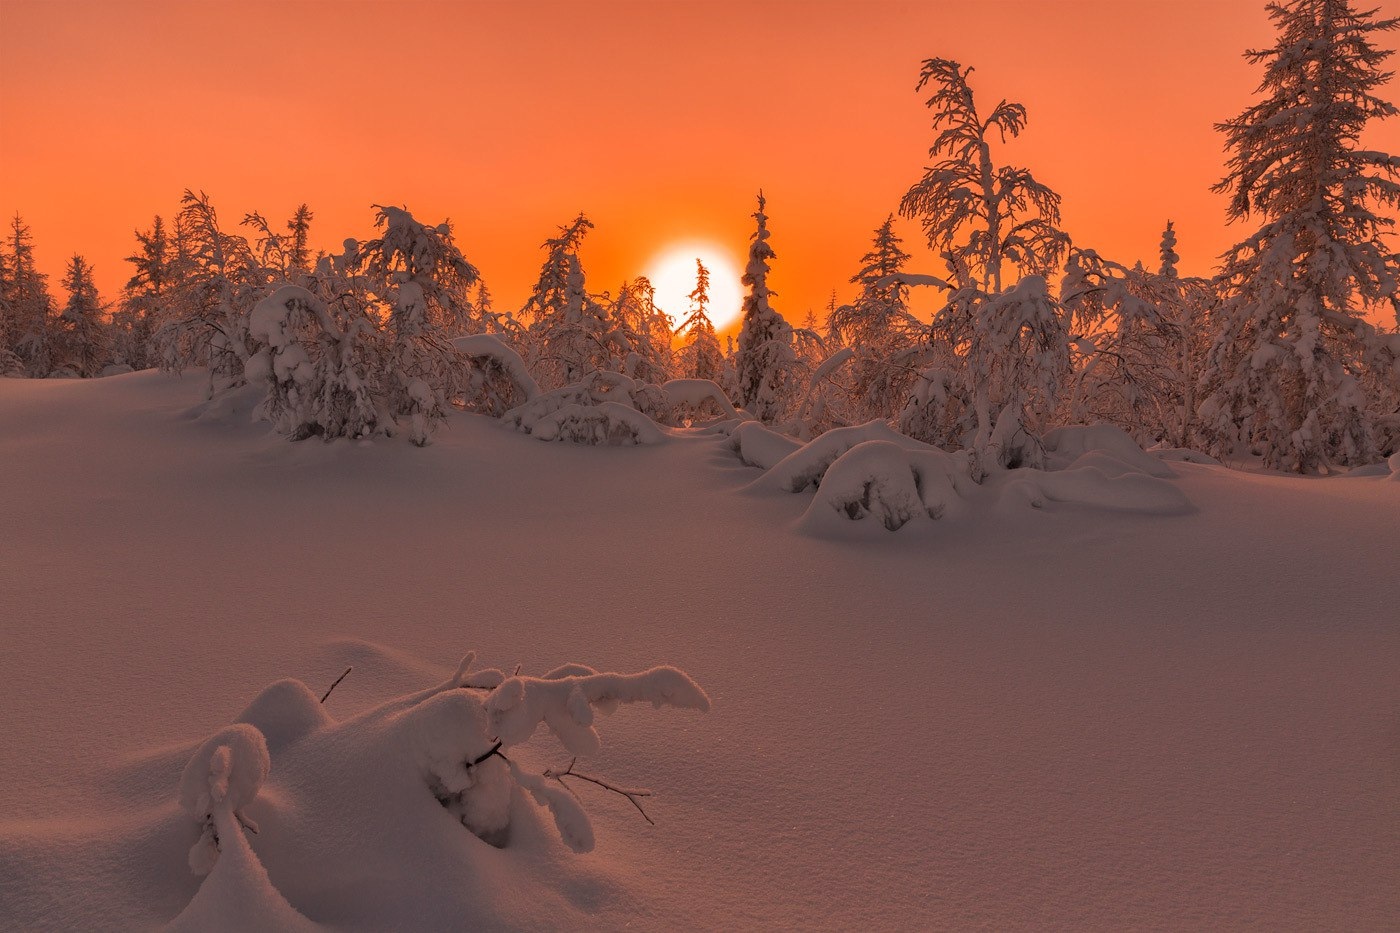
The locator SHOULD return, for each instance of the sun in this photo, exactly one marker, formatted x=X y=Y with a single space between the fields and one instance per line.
x=672 y=274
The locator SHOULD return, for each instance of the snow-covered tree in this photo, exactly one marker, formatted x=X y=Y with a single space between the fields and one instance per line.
x=1286 y=369
x=567 y=325
x=221 y=280
x=420 y=274
x=978 y=215
x=428 y=256
x=80 y=335
x=880 y=330
x=638 y=340
x=764 y=360
x=700 y=356
x=1139 y=338
x=982 y=217
x=882 y=307
x=287 y=253
x=145 y=301
x=26 y=308
x=320 y=362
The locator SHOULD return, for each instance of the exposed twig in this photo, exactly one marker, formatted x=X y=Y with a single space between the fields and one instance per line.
x=495 y=750
x=631 y=795
x=336 y=684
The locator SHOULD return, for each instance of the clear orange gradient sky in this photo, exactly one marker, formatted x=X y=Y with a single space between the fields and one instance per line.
x=660 y=120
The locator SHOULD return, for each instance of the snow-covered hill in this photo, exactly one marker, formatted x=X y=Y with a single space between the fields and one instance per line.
x=1055 y=717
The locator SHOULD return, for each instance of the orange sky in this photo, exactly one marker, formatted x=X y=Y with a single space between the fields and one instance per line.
x=660 y=120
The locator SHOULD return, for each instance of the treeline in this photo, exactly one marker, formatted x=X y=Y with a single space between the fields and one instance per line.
x=1272 y=357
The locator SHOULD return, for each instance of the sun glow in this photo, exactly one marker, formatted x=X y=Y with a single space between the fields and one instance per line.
x=672 y=273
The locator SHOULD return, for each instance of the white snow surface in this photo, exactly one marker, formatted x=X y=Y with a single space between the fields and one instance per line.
x=1063 y=717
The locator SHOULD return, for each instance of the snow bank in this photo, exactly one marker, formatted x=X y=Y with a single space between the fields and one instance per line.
x=1124 y=490
x=1183 y=455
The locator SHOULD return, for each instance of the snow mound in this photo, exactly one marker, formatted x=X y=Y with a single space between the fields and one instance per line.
x=891 y=484
x=602 y=409
x=1183 y=455
x=221 y=779
x=806 y=465
x=758 y=445
x=285 y=712
x=232 y=406
x=1124 y=490
x=606 y=423
x=1066 y=445
x=870 y=474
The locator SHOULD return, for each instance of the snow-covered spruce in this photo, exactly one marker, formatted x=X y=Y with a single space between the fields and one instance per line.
x=1286 y=371
x=765 y=360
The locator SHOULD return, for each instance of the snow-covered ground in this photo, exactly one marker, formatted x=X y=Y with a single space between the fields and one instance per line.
x=1061 y=717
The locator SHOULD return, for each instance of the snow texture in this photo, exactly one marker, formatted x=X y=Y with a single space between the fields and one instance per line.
x=1007 y=718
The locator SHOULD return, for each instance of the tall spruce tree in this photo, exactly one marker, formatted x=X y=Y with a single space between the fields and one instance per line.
x=765 y=356
x=567 y=325
x=80 y=341
x=26 y=303
x=701 y=356
x=1292 y=346
x=145 y=301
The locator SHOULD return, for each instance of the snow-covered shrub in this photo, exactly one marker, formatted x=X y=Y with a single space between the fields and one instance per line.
x=874 y=475
x=892 y=484
x=685 y=402
x=806 y=465
x=403 y=798
x=221 y=779
x=1090 y=484
x=605 y=408
x=319 y=372
x=1182 y=455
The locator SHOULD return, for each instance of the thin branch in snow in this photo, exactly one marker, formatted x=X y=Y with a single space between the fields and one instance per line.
x=631 y=795
x=336 y=684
